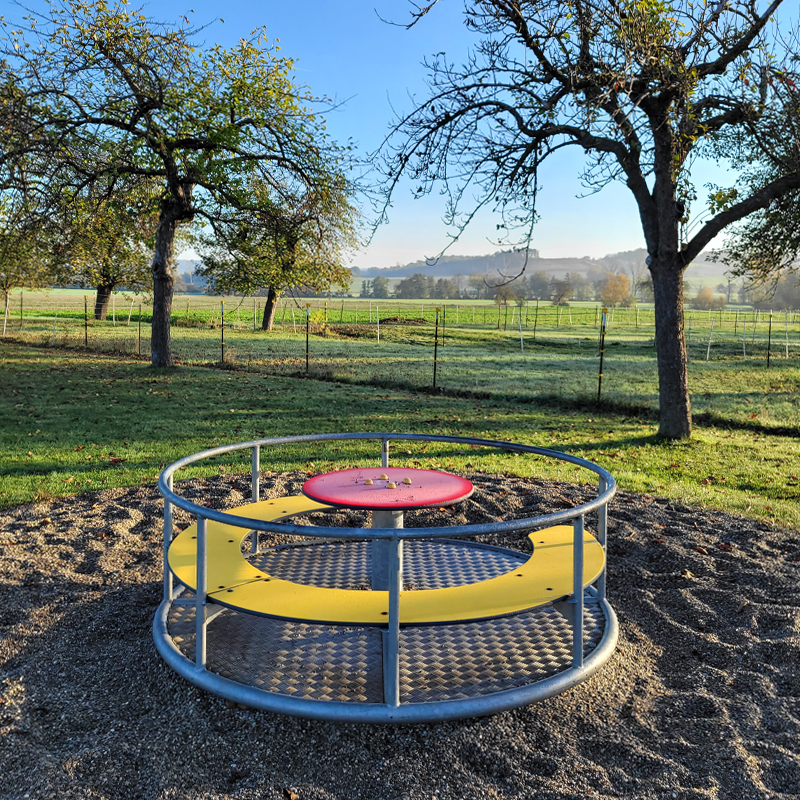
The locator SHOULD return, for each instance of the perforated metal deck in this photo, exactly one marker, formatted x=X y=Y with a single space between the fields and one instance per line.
x=426 y=564
x=437 y=662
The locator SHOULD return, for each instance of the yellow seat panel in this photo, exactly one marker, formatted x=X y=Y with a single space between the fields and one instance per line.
x=545 y=576
x=226 y=564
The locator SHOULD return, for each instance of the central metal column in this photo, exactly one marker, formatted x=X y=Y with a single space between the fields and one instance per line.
x=382 y=551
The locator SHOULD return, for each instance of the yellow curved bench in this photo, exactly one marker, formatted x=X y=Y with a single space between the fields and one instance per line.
x=232 y=581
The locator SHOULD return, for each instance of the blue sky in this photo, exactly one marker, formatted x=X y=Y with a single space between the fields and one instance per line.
x=345 y=51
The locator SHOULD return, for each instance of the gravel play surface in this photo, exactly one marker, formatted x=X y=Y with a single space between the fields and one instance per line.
x=701 y=699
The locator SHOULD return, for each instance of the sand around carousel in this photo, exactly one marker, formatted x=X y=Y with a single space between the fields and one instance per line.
x=701 y=698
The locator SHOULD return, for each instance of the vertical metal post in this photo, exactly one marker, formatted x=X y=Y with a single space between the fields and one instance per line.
x=602 y=352
x=602 y=537
x=391 y=656
x=200 y=597
x=577 y=590
x=55 y=320
x=167 y=542
x=711 y=333
x=384 y=453
x=435 y=348
x=744 y=336
x=255 y=468
x=308 y=327
x=222 y=329
x=786 y=330
x=769 y=338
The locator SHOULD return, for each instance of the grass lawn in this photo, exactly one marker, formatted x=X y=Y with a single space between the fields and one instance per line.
x=72 y=422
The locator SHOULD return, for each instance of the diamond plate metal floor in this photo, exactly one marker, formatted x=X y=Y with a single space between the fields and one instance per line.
x=437 y=662
x=426 y=564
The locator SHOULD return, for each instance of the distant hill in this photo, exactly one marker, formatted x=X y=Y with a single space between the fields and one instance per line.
x=502 y=263
x=511 y=263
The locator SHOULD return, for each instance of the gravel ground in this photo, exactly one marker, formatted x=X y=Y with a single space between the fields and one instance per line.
x=700 y=700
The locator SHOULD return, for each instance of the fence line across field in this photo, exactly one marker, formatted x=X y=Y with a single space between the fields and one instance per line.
x=207 y=329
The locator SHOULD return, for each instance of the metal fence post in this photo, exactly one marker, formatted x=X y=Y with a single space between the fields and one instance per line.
x=222 y=331
x=769 y=338
x=435 y=347
x=308 y=325
x=603 y=320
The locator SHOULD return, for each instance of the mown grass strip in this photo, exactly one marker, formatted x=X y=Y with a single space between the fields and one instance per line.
x=72 y=422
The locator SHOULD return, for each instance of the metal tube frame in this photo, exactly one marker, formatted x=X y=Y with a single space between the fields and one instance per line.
x=577 y=592
x=255 y=471
x=392 y=710
x=200 y=597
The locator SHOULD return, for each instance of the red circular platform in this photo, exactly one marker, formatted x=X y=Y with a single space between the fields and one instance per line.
x=347 y=488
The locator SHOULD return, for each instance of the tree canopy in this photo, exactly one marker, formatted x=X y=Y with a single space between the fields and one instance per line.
x=642 y=87
x=288 y=241
x=116 y=94
x=767 y=244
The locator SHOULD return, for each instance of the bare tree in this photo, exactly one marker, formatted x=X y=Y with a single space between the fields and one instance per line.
x=639 y=87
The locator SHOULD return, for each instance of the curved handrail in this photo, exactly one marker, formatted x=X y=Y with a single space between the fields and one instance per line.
x=509 y=526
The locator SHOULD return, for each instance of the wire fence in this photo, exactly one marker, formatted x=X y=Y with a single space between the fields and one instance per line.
x=522 y=350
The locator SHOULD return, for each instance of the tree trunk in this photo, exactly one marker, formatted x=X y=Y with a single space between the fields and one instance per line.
x=101 y=301
x=163 y=285
x=675 y=413
x=270 y=307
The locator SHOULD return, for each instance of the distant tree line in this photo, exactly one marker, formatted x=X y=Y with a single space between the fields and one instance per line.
x=606 y=287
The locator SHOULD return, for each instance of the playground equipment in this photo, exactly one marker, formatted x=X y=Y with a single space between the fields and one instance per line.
x=446 y=628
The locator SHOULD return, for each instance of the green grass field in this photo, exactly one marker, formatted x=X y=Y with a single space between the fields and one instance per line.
x=480 y=353
x=74 y=421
